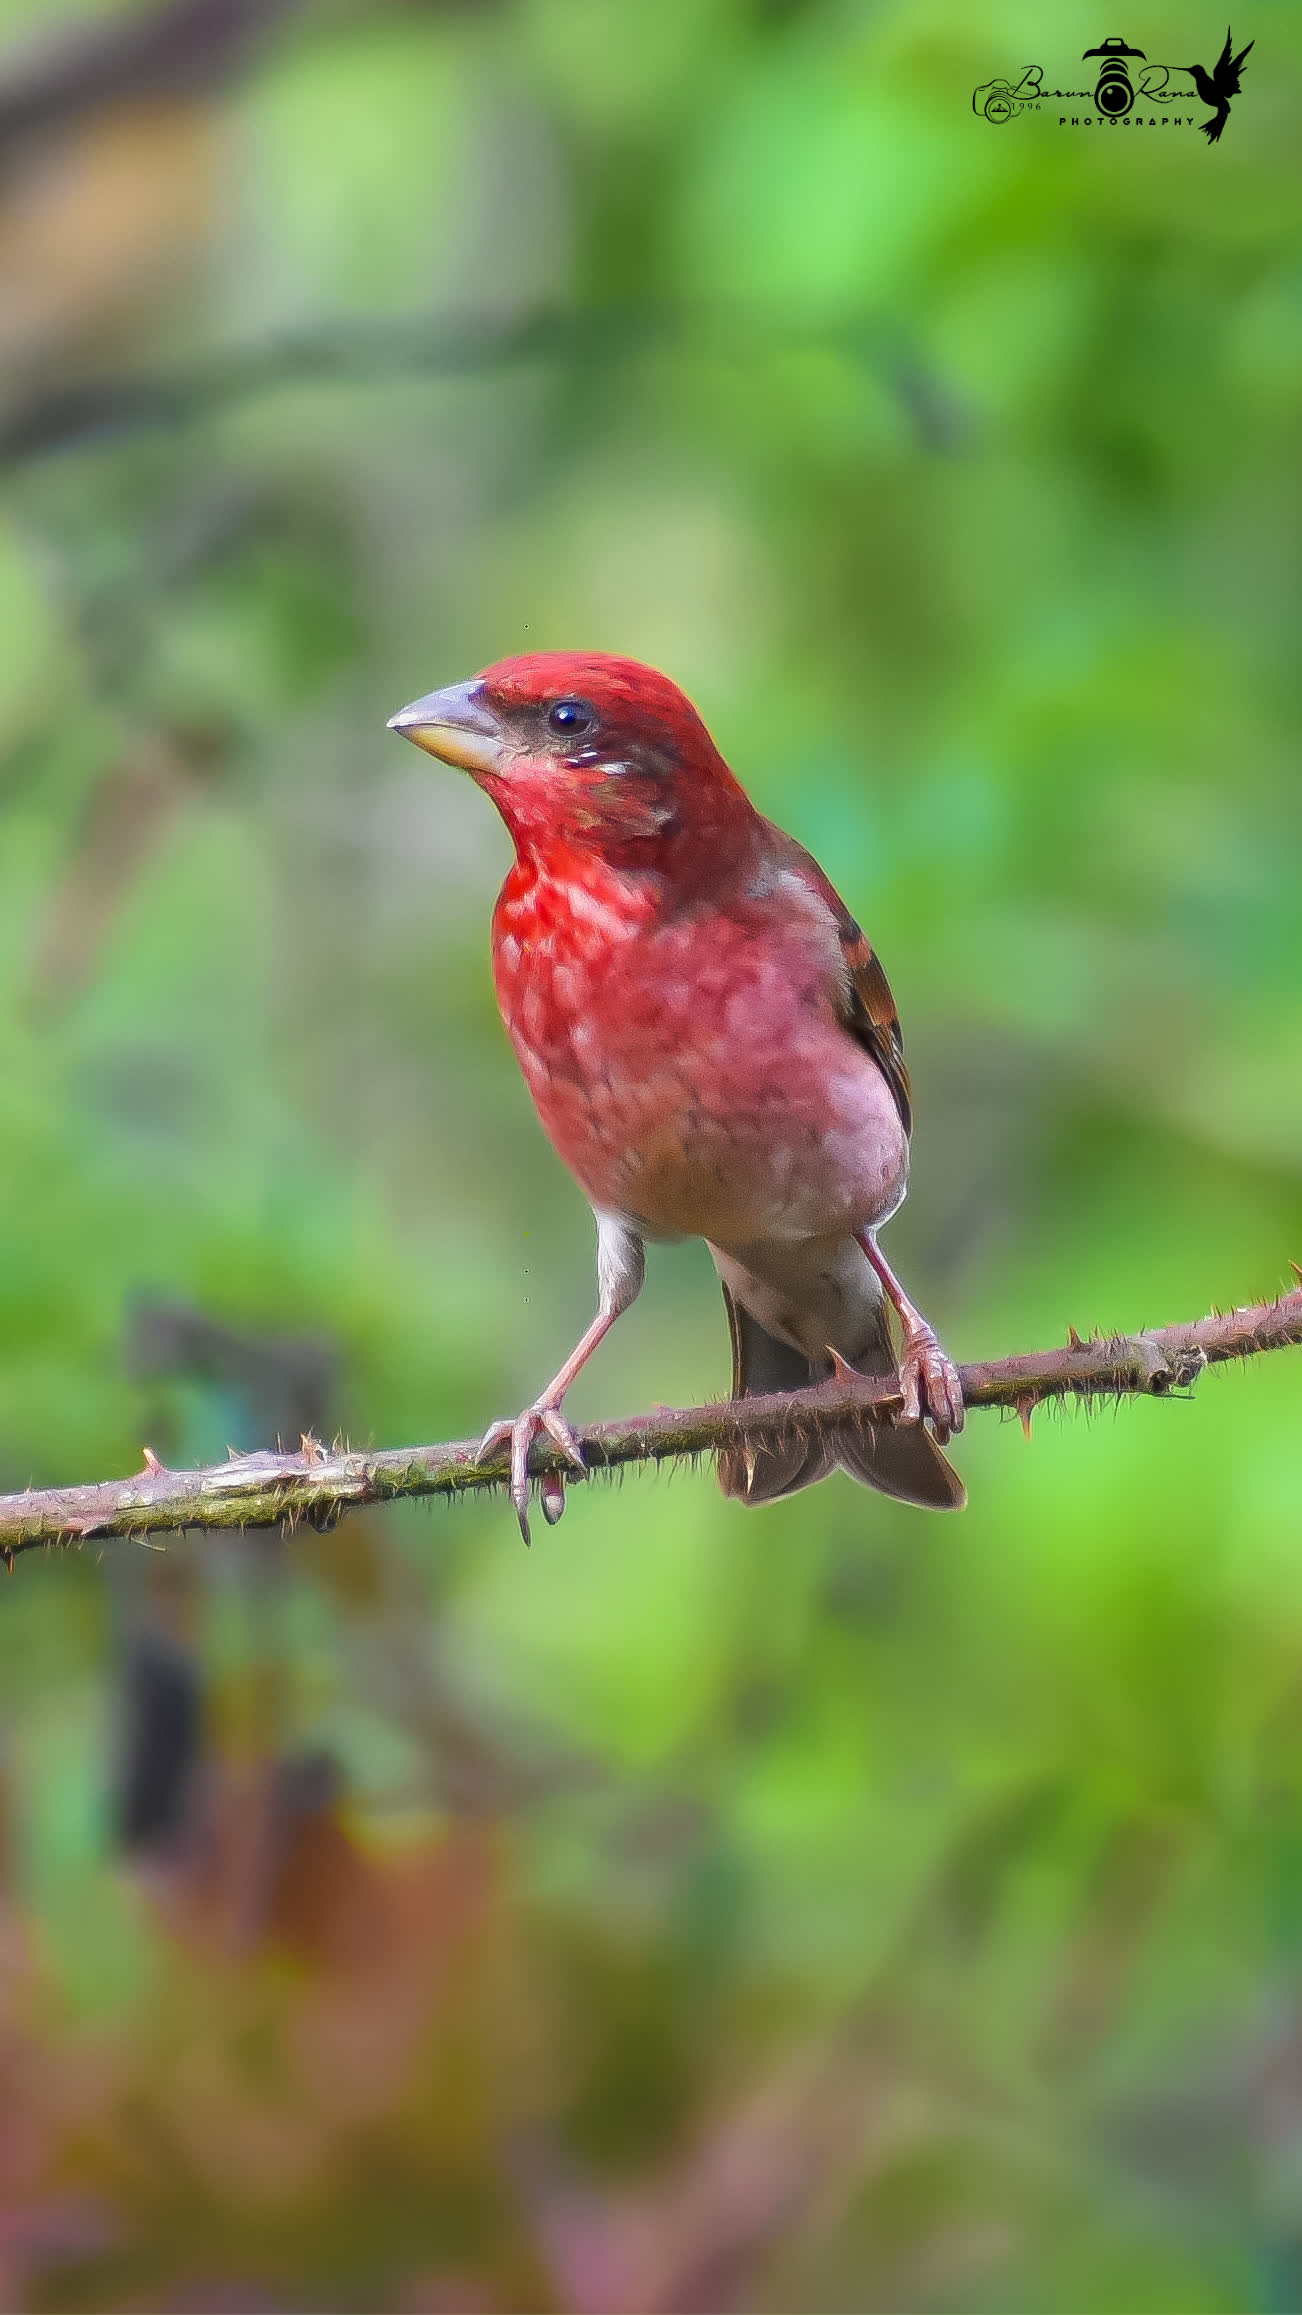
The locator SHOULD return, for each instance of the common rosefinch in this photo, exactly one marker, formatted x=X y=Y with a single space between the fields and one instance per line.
x=712 y=1048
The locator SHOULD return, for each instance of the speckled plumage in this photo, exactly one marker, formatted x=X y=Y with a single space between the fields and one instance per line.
x=690 y=1065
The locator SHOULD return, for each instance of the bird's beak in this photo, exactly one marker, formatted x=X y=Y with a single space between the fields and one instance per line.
x=455 y=725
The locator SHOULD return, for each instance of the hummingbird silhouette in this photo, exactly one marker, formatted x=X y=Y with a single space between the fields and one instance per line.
x=1216 y=88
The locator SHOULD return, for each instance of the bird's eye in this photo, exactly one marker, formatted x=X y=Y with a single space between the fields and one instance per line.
x=572 y=718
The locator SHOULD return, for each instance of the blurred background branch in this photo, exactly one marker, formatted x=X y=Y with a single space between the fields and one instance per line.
x=266 y=1490
x=183 y=48
x=390 y=348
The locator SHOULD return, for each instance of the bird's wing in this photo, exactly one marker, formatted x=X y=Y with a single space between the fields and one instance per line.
x=865 y=1003
x=1225 y=79
x=1231 y=80
x=870 y=1014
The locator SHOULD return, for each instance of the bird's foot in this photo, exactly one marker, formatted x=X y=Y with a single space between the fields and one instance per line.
x=537 y=1422
x=926 y=1385
x=929 y=1384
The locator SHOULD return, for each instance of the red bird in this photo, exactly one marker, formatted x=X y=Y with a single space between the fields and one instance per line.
x=712 y=1048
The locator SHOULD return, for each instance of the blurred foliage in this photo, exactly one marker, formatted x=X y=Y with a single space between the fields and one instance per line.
x=829 y=1909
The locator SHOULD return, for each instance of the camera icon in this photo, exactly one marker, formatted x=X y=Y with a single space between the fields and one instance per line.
x=1000 y=100
x=1113 y=93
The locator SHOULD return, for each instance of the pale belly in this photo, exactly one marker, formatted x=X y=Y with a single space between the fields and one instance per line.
x=817 y=1294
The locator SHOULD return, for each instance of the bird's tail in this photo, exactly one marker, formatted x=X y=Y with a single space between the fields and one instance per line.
x=1212 y=129
x=899 y=1459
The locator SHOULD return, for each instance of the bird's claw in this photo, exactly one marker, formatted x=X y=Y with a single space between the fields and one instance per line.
x=551 y=1497
x=536 y=1422
x=929 y=1385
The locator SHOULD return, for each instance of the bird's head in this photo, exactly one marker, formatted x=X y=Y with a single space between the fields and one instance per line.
x=582 y=750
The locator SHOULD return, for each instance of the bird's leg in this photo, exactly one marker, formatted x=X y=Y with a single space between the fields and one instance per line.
x=621 y=1267
x=544 y=1418
x=928 y=1379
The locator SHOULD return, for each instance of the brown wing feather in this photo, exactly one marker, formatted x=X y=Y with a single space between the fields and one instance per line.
x=866 y=1004
x=871 y=1016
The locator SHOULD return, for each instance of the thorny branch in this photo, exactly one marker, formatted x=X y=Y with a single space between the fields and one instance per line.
x=316 y=1485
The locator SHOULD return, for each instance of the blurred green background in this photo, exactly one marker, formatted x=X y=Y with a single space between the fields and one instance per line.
x=829 y=1909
